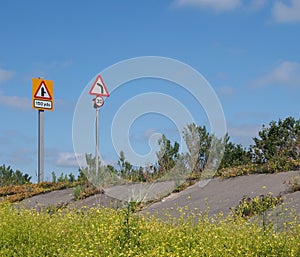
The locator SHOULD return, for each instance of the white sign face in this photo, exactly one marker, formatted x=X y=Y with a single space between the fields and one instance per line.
x=42 y=104
x=43 y=92
x=99 y=101
x=98 y=88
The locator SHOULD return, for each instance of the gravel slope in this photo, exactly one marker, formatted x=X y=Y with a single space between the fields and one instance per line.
x=219 y=195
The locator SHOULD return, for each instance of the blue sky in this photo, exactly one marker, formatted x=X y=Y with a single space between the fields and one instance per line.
x=249 y=51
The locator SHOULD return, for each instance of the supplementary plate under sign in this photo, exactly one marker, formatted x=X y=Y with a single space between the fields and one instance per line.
x=42 y=104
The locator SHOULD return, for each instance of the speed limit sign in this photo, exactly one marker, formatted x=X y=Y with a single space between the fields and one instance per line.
x=98 y=102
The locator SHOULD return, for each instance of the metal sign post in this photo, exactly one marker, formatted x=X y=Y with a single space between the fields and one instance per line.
x=97 y=140
x=98 y=102
x=40 y=146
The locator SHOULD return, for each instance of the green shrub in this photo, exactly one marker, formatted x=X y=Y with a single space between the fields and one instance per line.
x=294 y=183
x=256 y=205
x=77 y=191
x=9 y=177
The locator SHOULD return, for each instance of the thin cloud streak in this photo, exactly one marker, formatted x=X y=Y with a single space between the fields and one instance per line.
x=285 y=74
x=5 y=75
x=217 y=5
x=243 y=134
x=284 y=13
x=226 y=91
x=68 y=159
x=281 y=11
x=21 y=103
x=257 y=4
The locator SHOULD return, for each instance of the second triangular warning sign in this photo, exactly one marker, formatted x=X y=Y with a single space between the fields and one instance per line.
x=43 y=92
x=98 y=88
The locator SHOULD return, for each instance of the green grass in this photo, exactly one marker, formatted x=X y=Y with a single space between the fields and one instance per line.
x=106 y=232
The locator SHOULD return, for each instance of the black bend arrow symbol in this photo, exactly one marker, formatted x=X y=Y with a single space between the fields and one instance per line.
x=101 y=87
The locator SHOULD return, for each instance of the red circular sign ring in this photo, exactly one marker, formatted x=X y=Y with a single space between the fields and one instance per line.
x=99 y=101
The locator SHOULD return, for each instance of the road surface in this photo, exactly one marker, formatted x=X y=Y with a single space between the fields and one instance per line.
x=216 y=195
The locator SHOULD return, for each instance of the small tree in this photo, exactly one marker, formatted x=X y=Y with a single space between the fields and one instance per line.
x=89 y=177
x=112 y=169
x=71 y=178
x=62 y=178
x=167 y=155
x=234 y=155
x=10 y=177
x=198 y=142
x=279 y=141
x=91 y=162
x=54 y=178
x=125 y=166
x=82 y=179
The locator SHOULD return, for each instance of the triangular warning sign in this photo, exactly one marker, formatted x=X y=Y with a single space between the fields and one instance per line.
x=98 y=88
x=43 y=92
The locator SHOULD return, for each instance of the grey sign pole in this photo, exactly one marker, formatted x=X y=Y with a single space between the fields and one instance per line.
x=40 y=146
x=97 y=140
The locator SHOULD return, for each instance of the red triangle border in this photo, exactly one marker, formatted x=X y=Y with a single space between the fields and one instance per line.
x=45 y=98
x=94 y=84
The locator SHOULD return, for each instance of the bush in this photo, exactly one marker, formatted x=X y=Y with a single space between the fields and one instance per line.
x=257 y=205
x=280 y=141
x=83 y=191
x=10 y=177
x=294 y=183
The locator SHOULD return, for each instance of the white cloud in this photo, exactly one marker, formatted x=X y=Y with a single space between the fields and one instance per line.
x=23 y=103
x=243 y=134
x=217 y=5
x=65 y=106
x=21 y=156
x=71 y=159
x=5 y=75
x=17 y=148
x=257 y=4
x=225 y=90
x=13 y=136
x=285 y=74
x=283 y=12
x=252 y=115
x=148 y=133
x=68 y=159
x=144 y=136
x=17 y=102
